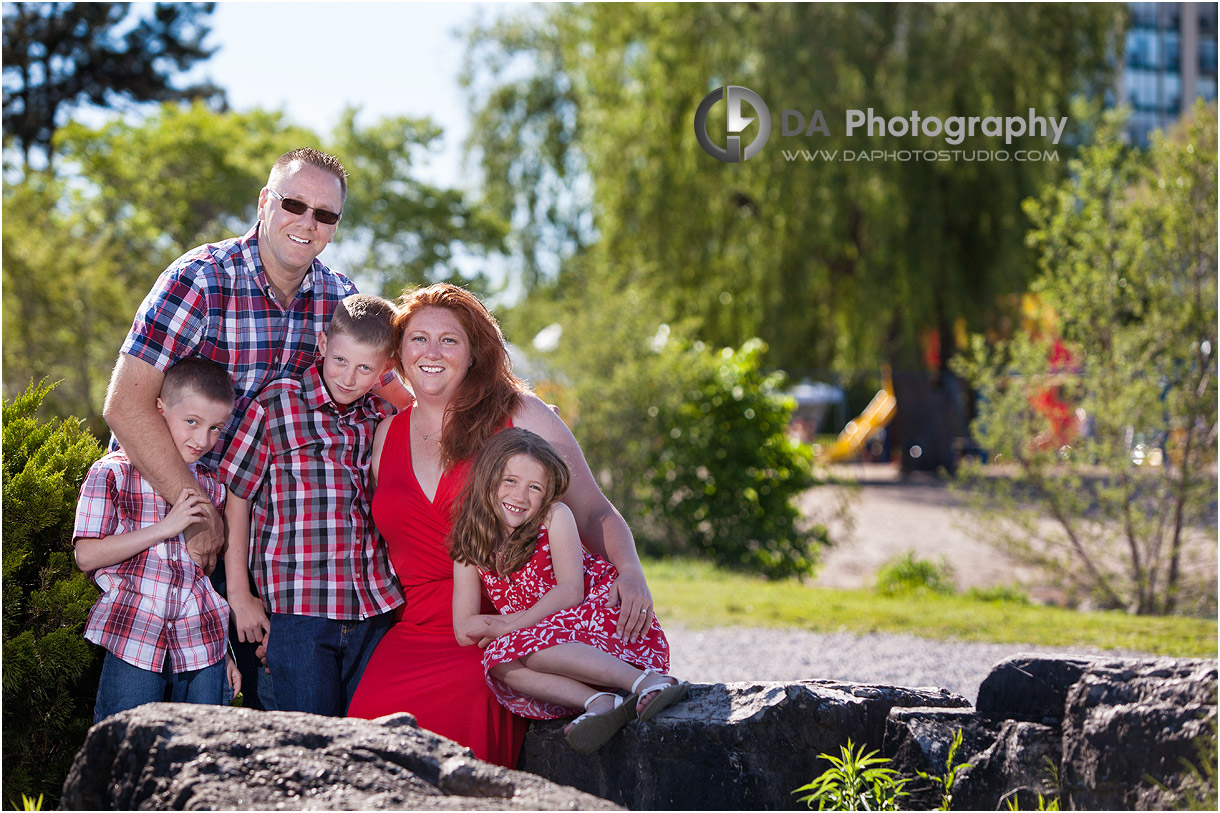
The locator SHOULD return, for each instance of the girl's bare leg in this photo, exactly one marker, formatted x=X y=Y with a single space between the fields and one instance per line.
x=592 y=667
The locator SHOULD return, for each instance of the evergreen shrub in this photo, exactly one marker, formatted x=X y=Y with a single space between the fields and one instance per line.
x=50 y=671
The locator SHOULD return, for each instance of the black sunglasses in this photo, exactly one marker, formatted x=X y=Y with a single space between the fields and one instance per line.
x=297 y=207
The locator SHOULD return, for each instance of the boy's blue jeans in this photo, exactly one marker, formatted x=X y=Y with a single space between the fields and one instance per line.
x=317 y=662
x=124 y=686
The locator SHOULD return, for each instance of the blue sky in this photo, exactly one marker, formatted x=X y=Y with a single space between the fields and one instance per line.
x=310 y=60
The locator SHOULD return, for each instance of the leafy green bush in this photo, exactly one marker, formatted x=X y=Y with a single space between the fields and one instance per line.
x=50 y=671
x=1117 y=502
x=724 y=473
x=688 y=442
x=907 y=573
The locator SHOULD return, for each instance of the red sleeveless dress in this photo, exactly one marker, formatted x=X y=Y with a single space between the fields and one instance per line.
x=419 y=667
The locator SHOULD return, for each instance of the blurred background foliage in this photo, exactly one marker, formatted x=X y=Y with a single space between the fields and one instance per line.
x=1127 y=258
x=583 y=125
x=675 y=294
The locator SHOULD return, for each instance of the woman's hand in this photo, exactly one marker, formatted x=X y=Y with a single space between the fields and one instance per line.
x=631 y=595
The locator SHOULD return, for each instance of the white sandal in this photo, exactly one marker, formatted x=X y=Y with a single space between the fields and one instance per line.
x=590 y=730
x=670 y=693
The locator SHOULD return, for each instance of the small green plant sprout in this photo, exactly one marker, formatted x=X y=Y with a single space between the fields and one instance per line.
x=1052 y=803
x=31 y=804
x=945 y=780
x=855 y=781
x=1012 y=802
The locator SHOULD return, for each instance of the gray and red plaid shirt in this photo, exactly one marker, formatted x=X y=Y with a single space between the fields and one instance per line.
x=304 y=463
x=158 y=602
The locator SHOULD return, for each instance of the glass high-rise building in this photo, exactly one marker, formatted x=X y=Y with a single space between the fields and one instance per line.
x=1170 y=61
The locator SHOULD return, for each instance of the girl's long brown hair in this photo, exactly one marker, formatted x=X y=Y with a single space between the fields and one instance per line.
x=490 y=392
x=479 y=535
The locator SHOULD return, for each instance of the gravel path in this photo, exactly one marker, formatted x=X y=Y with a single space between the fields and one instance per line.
x=735 y=654
x=890 y=516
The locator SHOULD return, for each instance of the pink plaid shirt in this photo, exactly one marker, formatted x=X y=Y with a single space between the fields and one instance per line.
x=158 y=602
x=304 y=463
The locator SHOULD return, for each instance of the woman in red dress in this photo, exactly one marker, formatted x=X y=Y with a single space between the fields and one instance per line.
x=553 y=645
x=452 y=353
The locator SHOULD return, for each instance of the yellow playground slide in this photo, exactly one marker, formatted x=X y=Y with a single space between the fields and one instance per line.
x=878 y=413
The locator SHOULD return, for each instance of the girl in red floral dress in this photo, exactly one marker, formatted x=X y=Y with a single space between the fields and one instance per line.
x=553 y=648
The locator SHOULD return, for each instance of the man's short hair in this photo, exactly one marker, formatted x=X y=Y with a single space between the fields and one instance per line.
x=198 y=376
x=312 y=157
x=366 y=318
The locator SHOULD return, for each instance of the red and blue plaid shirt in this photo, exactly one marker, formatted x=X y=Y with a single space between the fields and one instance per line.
x=216 y=301
x=159 y=601
x=304 y=463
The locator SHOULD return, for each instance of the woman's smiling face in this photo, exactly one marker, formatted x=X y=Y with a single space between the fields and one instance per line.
x=435 y=352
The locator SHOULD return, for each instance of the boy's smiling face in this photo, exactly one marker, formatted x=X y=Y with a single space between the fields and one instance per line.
x=194 y=423
x=350 y=368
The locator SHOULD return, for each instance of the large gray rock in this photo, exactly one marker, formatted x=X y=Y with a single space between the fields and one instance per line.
x=168 y=756
x=1099 y=733
x=736 y=746
x=1020 y=766
x=919 y=739
x=1033 y=688
x=1130 y=730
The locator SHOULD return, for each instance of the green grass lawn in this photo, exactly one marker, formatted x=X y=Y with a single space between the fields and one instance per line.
x=696 y=594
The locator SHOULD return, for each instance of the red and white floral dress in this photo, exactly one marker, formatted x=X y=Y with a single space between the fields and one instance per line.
x=590 y=622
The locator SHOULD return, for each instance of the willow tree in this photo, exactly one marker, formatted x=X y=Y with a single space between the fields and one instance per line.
x=585 y=129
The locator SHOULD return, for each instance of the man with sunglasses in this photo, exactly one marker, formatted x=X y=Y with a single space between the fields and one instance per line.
x=255 y=304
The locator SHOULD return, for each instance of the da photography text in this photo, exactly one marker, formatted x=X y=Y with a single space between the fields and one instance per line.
x=953 y=130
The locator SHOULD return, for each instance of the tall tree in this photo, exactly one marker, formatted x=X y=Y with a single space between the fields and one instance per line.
x=1123 y=511
x=58 y=55
x=84 y=241
x=835 y=264
x=398 y=229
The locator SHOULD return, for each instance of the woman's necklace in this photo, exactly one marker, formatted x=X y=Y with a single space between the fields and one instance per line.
x=433 y=433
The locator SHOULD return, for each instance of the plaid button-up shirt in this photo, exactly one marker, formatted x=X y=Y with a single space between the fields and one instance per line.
x=304 y=463
x=157 y=602
x=216 y=301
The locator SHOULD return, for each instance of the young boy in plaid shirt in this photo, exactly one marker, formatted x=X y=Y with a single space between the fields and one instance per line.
x=163 y=625
x=299 y=516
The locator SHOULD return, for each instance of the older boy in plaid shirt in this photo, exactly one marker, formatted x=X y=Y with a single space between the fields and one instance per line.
x=301 y=456
x=163 y=625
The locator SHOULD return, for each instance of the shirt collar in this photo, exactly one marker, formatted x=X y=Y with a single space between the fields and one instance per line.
x=316 y=396
x=254 y=266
